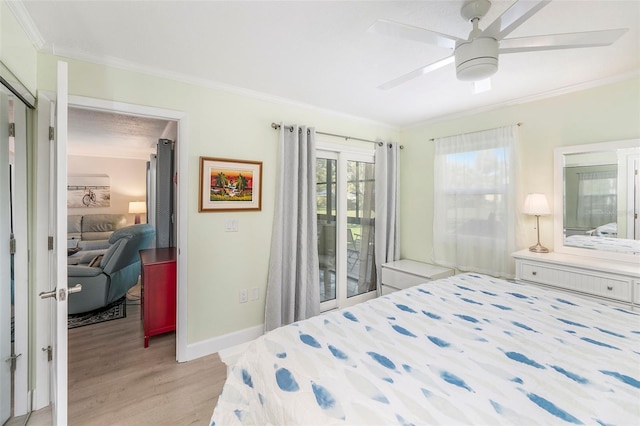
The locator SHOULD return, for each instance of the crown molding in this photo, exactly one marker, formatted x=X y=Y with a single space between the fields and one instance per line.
x=527 y=99
x=130 y=66
x=24 y=19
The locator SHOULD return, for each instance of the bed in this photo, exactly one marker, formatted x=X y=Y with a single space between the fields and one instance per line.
x=467 y=349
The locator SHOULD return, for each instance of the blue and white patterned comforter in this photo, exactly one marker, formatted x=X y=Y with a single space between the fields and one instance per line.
x=612 y=244
x=468 y=349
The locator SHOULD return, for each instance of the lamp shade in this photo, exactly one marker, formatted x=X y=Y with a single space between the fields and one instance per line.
x=137 y=207
x=536 y=205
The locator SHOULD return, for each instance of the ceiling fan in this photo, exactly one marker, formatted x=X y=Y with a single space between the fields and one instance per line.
x=476 y=58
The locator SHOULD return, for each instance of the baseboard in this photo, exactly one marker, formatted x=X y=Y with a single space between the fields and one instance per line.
x=224 y=342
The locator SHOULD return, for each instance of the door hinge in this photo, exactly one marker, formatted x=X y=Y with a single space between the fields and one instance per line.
x=50 y=242
x=12 y=245
x=51 y=133
x=49 y=351
x=12 y=130
x=12 y=360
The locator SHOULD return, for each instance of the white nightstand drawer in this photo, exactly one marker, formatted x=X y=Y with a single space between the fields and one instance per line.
x=401 y=280
x=406 y=273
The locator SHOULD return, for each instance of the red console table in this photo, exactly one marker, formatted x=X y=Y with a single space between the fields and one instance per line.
x=158 y=294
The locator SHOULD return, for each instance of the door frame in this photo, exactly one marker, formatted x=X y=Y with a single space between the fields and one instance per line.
x=42 y=391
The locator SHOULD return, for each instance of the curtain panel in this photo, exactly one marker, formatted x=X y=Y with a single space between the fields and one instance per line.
x=387 y=233
x=293 y=291
x=475 y=214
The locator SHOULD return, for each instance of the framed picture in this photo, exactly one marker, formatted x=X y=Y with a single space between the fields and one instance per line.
x=88 y=191
x=230 y=185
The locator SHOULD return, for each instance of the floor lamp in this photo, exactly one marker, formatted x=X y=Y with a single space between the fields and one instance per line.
x=137 y=207
x=536 y=205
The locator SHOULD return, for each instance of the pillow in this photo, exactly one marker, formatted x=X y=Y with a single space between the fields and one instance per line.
x=96 y=260
x=72 y=243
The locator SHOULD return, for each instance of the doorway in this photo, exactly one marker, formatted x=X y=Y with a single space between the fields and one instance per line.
x=179 y=120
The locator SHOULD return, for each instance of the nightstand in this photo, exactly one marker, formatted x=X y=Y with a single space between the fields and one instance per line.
x=406 y=273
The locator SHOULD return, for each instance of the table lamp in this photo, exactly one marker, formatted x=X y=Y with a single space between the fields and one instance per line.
x=536 y=205
x=137 y=207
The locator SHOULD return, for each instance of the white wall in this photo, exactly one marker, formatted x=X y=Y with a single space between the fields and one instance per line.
x=606 y=113
x=127 y=179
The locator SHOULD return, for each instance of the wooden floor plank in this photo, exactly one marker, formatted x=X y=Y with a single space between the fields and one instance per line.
x=114 y=380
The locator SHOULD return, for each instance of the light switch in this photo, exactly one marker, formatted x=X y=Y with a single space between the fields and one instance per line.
x=231 y=225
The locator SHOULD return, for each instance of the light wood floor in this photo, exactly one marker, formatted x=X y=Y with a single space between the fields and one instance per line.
x=114 y=380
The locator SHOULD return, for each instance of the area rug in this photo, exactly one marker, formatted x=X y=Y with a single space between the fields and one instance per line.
x=114 y=310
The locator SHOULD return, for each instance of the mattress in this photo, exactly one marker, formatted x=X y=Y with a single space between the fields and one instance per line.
x=467 y=349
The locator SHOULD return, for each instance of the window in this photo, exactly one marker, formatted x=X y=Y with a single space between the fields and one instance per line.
x=345 y=208
x=597 y=200
x=474 y=202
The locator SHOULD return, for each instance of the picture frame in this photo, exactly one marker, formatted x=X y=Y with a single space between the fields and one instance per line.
x=88 y=191
x=230 y=185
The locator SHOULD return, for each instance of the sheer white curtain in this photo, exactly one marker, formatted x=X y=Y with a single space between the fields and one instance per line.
x=293 y=291
x=387 y=233
x=474 y=226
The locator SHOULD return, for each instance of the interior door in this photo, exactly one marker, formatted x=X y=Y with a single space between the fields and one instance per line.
x=57 y=259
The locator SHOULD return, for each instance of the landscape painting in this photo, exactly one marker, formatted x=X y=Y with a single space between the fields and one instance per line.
x=227 y=184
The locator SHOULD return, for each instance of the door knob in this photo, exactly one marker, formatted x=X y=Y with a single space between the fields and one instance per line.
x=63 y=293
x=48 y=294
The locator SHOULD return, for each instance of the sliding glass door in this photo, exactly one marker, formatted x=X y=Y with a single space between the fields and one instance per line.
x=345 y=203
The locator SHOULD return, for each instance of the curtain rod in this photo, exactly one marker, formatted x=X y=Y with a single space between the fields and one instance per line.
x=277 y=126
x=468 y=133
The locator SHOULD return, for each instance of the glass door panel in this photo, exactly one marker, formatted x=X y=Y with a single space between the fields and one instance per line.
x=361 y=273
x=326 y=210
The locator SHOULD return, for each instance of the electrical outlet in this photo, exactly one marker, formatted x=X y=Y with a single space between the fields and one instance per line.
x=243 y=295
x=255 y=293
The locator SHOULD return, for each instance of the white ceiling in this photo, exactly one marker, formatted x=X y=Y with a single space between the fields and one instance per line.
x=320 y=52
x=96 y=133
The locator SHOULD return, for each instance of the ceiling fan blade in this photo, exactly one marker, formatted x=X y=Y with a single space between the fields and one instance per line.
x=561 y=41
x=513 y=17
x=417 y=73
x=409 y=32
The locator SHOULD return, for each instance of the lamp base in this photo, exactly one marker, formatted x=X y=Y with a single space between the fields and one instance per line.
x=538 y=249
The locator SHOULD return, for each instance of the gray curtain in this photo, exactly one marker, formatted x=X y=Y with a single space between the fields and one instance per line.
x=293 y=291
x=387 y=205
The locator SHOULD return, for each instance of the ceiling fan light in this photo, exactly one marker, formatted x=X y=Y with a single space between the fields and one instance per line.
x=477 y=69
x=477 y=59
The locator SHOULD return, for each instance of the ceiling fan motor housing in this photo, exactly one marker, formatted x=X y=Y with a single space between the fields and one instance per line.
x=476 y=59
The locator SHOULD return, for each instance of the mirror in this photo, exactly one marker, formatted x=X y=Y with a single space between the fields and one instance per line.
x=597 y=196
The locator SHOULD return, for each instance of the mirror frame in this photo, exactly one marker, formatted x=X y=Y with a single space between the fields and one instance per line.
x=558 y=192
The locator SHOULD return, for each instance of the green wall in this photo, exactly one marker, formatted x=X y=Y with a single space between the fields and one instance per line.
x=227 y=125
x=605 y=113
x=17 y=53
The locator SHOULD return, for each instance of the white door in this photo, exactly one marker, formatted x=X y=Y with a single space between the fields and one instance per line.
x=5 y=269
x=57 y=259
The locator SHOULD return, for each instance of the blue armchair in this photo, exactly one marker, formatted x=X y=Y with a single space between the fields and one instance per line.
x=109 y=279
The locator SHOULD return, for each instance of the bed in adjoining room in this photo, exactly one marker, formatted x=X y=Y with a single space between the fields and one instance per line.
x=467 y=349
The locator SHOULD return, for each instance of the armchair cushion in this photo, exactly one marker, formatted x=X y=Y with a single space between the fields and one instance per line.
x=82 y=271
x=116 y=273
